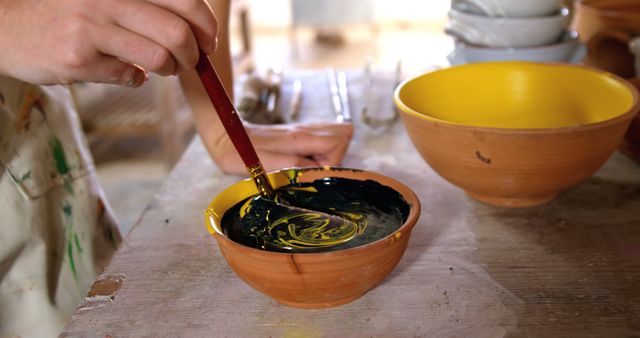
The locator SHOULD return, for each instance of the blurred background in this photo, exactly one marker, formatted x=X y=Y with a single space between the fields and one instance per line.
x=137 y=135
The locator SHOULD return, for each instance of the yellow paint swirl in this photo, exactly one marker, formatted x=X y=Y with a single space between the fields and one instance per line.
x=316 y=230
x=316 y=216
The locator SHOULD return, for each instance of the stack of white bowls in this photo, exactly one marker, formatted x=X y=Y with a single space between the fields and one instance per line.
x=497 y=30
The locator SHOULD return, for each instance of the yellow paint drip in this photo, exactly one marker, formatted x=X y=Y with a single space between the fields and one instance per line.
x=246 y=207
x=309 y=189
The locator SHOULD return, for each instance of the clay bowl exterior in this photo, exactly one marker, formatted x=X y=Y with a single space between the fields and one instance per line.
x=631 y=143
x=516 y=134
x=607 y=27
x=313 y=280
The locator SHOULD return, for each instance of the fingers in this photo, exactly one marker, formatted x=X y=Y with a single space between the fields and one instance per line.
x=135 y=49
x=318 y=144
x=175 y=49
x=201 y=18
x=229 y=161
x=106 y=69
x=326 y=144
x=308 y=140
x=276 y=161
x=161 y=36
x=278 y=147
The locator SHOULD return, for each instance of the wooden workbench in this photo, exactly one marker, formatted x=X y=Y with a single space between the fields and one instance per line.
x=570 y=268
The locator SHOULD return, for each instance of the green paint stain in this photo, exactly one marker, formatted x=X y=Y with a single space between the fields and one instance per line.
x=66 y=209
x=72 y=263
x=71 y=237
x=24 y=177
x=59 y=156
x=111 y=236
x=61 y=163
x=76 y=239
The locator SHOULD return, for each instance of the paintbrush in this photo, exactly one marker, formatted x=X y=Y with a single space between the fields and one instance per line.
x=233 y=125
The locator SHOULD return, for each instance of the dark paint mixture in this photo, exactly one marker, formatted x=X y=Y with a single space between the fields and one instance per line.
x=327 y=214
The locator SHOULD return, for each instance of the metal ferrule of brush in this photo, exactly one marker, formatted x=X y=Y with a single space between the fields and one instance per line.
x=262 y=181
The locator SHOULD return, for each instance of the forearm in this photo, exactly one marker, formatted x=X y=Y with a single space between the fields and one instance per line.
x=278 y=146
x=207 y=121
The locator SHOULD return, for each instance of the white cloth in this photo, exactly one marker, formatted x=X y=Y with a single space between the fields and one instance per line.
x=56 y=231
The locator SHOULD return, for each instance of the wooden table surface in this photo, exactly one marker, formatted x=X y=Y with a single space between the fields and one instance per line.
x=570 y=268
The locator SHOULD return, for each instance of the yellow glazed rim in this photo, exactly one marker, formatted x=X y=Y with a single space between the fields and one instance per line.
x=628 y=114
x=245 y=188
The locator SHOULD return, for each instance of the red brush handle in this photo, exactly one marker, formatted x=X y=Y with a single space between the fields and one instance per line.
x=226 y=111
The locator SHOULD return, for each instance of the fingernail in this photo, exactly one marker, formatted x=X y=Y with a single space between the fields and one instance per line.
x=211 y=47
x=135 y=77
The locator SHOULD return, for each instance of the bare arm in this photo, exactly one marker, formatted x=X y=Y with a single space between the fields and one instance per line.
x=208 y=124
x=279 y=146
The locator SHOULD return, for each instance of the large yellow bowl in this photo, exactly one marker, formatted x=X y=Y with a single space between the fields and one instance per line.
x=516 y=133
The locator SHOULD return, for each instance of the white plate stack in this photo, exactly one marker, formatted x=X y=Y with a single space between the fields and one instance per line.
x=498 y=30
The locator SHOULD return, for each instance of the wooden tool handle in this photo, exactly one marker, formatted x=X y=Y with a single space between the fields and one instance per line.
x=226 y=111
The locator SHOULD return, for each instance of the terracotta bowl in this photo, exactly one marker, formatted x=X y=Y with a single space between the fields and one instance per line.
x=631 y=143
x=313 y=280
x=607 y=27
x=516 y=133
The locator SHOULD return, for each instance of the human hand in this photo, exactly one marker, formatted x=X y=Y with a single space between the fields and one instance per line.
x=104 y=41
x=284 y=146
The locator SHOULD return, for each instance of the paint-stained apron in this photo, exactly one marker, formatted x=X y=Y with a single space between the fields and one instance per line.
x=56 y=232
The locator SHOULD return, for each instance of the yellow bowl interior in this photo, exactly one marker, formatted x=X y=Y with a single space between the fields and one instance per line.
x=516 y=95
x=234 y=194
